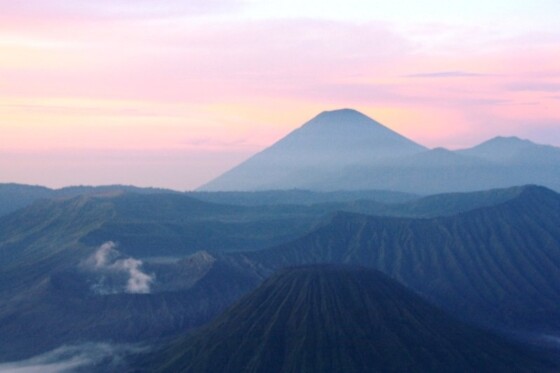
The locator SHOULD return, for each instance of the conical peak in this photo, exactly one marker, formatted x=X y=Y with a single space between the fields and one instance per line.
x=328 y=144
x=340 y=137
x=341 y=112
x=340 y=319
x=341 y=117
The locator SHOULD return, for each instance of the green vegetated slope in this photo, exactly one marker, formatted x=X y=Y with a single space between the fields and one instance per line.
x=17 y=196
x=497 y=265
x=143 y=225
x=55 y=233
x=339 y=319
x=177 y=225
x=49 y=224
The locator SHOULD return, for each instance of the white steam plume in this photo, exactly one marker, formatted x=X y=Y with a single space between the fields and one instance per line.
x=109 y=264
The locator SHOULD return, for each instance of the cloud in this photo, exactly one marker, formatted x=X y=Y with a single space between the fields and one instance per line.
x=217 y=143
x=66 y=359
x=99 y=110
x=115 y=9
x=535 y=87
x=397 y=94
x=198 y=62
x=444 y=74
x=116 y=274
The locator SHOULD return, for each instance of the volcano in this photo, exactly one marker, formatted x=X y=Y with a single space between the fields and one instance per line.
x=327 y=144
x=340 y=319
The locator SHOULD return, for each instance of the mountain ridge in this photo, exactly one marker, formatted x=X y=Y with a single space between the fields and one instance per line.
x=339 y=319
x=497 y=265
x=14 y=196
x=336 y=151
x=190 y=291
x=332 y=139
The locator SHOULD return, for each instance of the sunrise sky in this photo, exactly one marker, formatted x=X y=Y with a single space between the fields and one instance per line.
x=172 y=93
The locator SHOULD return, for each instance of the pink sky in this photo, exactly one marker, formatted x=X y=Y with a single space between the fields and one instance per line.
x=171 y=95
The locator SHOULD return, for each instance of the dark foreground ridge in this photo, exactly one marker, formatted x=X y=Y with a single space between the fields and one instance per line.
x=340 y=319
x=496 y=266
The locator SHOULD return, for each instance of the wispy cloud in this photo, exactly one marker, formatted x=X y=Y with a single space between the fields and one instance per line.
x=66 y=359
x=445 y=74
x=216 y=143
x=535 y=87
x=114 y=9
x=170 y=74
x=136 y=111
x=401 y=94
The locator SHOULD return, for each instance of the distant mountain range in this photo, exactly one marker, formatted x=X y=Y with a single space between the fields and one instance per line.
x=43 y=244
x=16 y=196
x=179 y=224
x=342 y=320
x=388 y=239
x=491 y=258
x=497 y=265
x=345 y=150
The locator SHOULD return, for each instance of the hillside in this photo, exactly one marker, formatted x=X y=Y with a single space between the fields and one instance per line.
x=125 y=301
x=328 y=143
x=496 y=265
x=300 y=197
x=343 y=150
x=144 y=225
x=452 y=253
x=340 y=319
x=17 y=196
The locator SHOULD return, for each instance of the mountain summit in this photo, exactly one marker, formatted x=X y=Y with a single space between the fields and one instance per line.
x=327 y=144
x=500 y=148
x=345 y=135
x=346 y=150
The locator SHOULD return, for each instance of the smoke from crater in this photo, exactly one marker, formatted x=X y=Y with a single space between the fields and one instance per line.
x=115 y=273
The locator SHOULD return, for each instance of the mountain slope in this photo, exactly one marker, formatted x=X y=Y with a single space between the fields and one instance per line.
x=497 y=265
x=16 y=196
x=83 y=303
x=45 y=292
x=345 y=150
x=329 y=142
x=156 y=225
x=340 y=319
x=144 y=225
x=507 y=149
x=300 y=197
